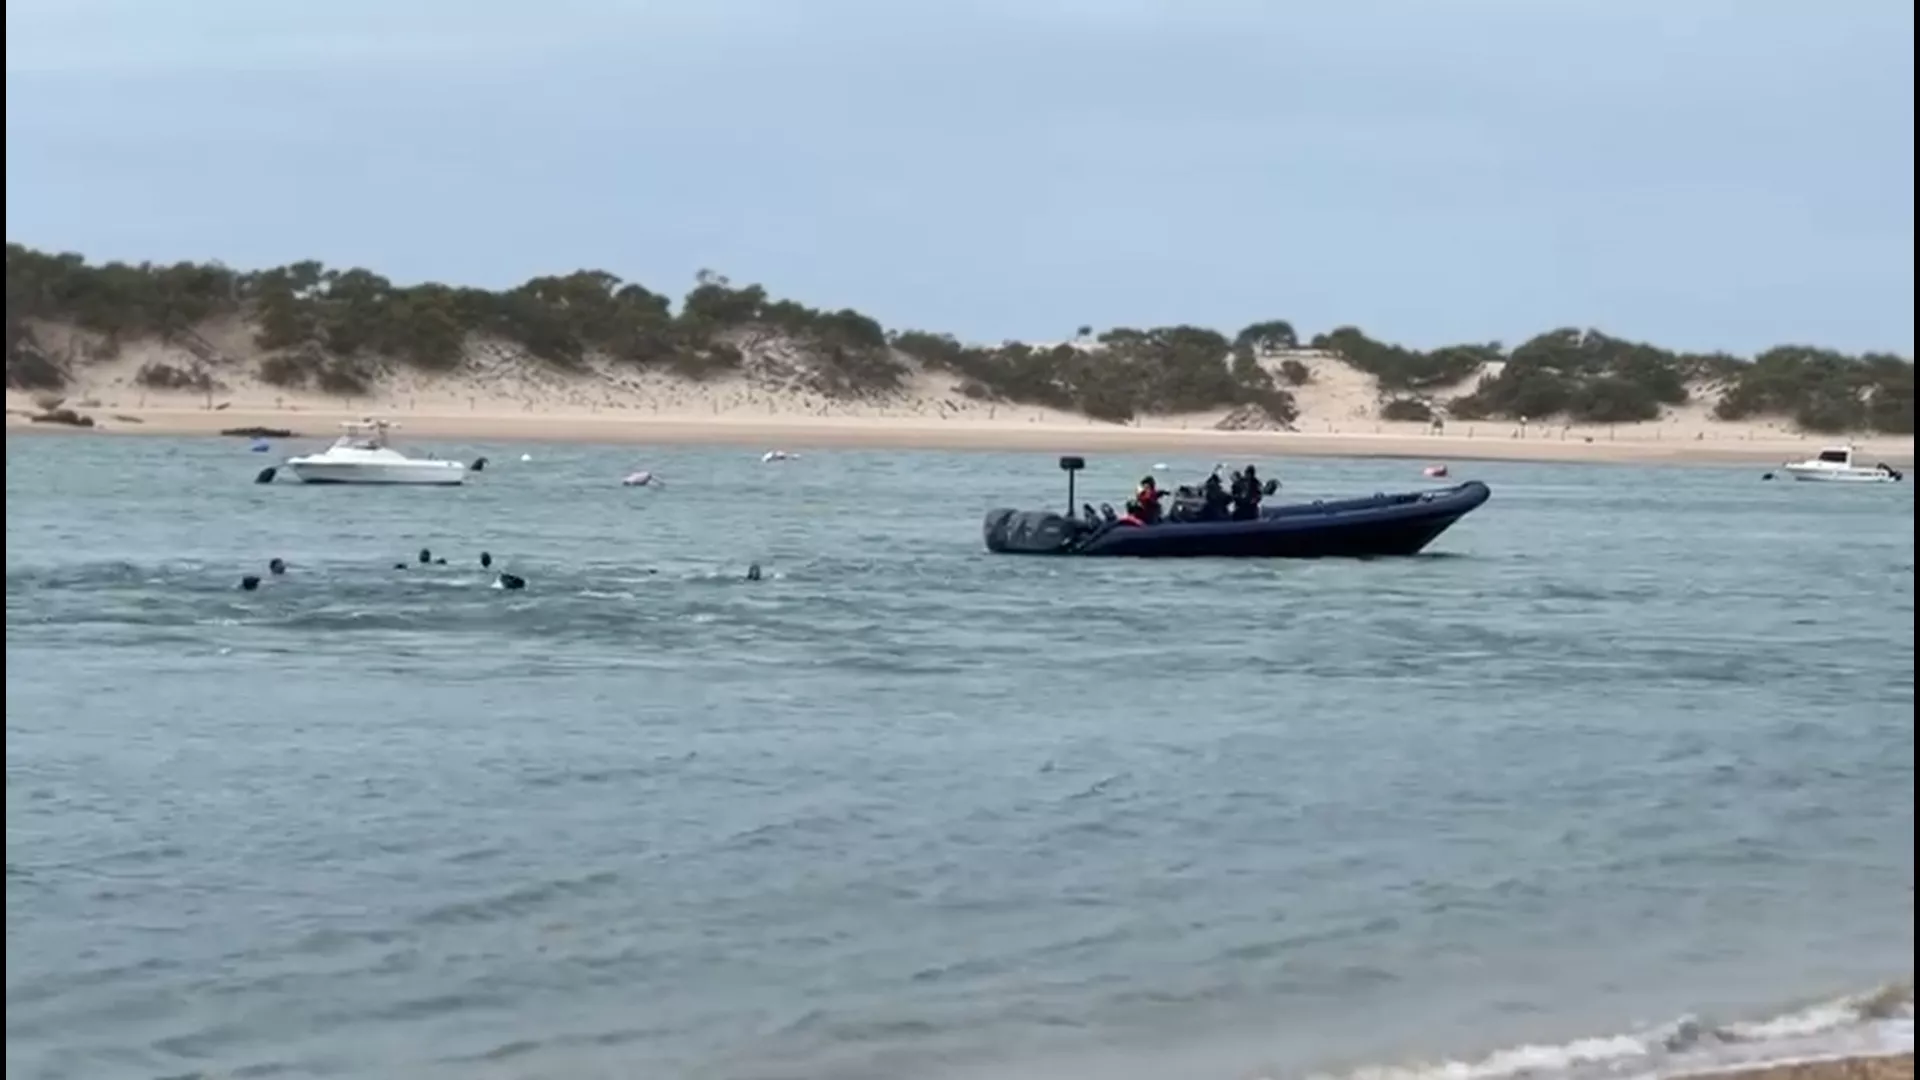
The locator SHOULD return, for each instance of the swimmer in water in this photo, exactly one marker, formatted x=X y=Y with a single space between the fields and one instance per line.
x=276 y=566
x=486 y=559
x=250 y=582
x=511 y=581
x=753 y=572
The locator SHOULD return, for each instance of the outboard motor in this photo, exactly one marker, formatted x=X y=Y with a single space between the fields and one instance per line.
x=1029 y=532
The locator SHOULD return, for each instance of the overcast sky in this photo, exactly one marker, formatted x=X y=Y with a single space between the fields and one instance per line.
x=1701 y=173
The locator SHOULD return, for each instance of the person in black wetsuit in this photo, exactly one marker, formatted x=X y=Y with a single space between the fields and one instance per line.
x=1216 y=498
x=1246 y=495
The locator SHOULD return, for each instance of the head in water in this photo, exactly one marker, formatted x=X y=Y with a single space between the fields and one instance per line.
x=277 y=566
x=753 y=571
x=425 y=556
x=512 y=581
x=486 y=559
x=250 y=582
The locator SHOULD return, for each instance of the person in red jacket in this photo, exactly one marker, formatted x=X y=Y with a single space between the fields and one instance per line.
x=1146 y=502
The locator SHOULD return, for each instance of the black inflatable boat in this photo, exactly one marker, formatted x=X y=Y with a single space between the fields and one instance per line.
x=1387 y=524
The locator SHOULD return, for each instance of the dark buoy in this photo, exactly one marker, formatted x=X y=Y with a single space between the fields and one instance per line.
x=479 y=465
x=250 y=582
x=512 y=581
x=277 y=566
x=265 y=476
x=486 y=559
x=753 y=572
x=425 y=556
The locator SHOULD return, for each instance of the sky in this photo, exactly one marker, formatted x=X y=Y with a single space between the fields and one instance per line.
x=1704 y=174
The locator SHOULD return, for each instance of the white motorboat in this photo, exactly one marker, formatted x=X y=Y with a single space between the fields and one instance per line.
x=362 y=456
x=1835 y=464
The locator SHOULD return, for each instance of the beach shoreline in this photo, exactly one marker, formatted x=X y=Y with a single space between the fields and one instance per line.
x=1638 y=444
x=1893 y=1066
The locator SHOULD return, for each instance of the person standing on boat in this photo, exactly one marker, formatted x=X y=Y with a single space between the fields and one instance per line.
x=1246 y=495
x=1216 y=498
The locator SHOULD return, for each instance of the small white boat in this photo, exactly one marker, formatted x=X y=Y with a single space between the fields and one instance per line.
x=362 y=456
x=1835 y=464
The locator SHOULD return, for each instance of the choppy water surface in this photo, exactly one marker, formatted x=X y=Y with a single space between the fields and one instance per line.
x=1630 y=744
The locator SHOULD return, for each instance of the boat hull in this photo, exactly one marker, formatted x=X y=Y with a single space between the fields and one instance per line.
x=412 y=473
x=1842 y=476
x=1380 y=525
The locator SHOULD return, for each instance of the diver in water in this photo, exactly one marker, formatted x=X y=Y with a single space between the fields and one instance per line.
x=1145 y=504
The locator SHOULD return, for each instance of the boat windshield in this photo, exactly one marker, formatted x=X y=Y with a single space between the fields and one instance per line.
x=365 y=436
x=1836 y=456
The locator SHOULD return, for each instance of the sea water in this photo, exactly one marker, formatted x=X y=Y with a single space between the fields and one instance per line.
x=1618 y=778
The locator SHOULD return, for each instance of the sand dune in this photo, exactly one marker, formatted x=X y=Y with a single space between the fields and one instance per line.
x=498 y=394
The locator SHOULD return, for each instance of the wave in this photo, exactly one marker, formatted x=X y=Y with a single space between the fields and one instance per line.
x=1873 y=1024
x=1878 y=1023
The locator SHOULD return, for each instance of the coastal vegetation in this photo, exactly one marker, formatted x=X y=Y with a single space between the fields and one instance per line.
x=341 y=331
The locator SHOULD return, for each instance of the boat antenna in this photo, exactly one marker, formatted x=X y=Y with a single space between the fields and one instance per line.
x=1071 y=465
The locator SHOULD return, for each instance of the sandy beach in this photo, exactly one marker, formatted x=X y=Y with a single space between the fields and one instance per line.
x=1890 y=1067
x=1338 y=417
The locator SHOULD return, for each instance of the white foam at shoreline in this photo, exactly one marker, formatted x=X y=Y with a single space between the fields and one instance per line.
x=1878 y=1024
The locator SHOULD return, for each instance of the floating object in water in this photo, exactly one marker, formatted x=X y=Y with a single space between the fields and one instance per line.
x=1434 y=472
x=1766 y=476
x=1161 y=466
x=641 y=478
x=778 y=455
x=1398 y=524
x=753 y=571
x=250 y=582
x=479 y=465
x=276 y=566
x=526 y=457
x=265 y=476
x=510 y=581
x=260 y=446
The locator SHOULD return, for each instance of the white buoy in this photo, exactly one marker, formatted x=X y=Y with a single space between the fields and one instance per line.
x=641 y=478
x=526 y=457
